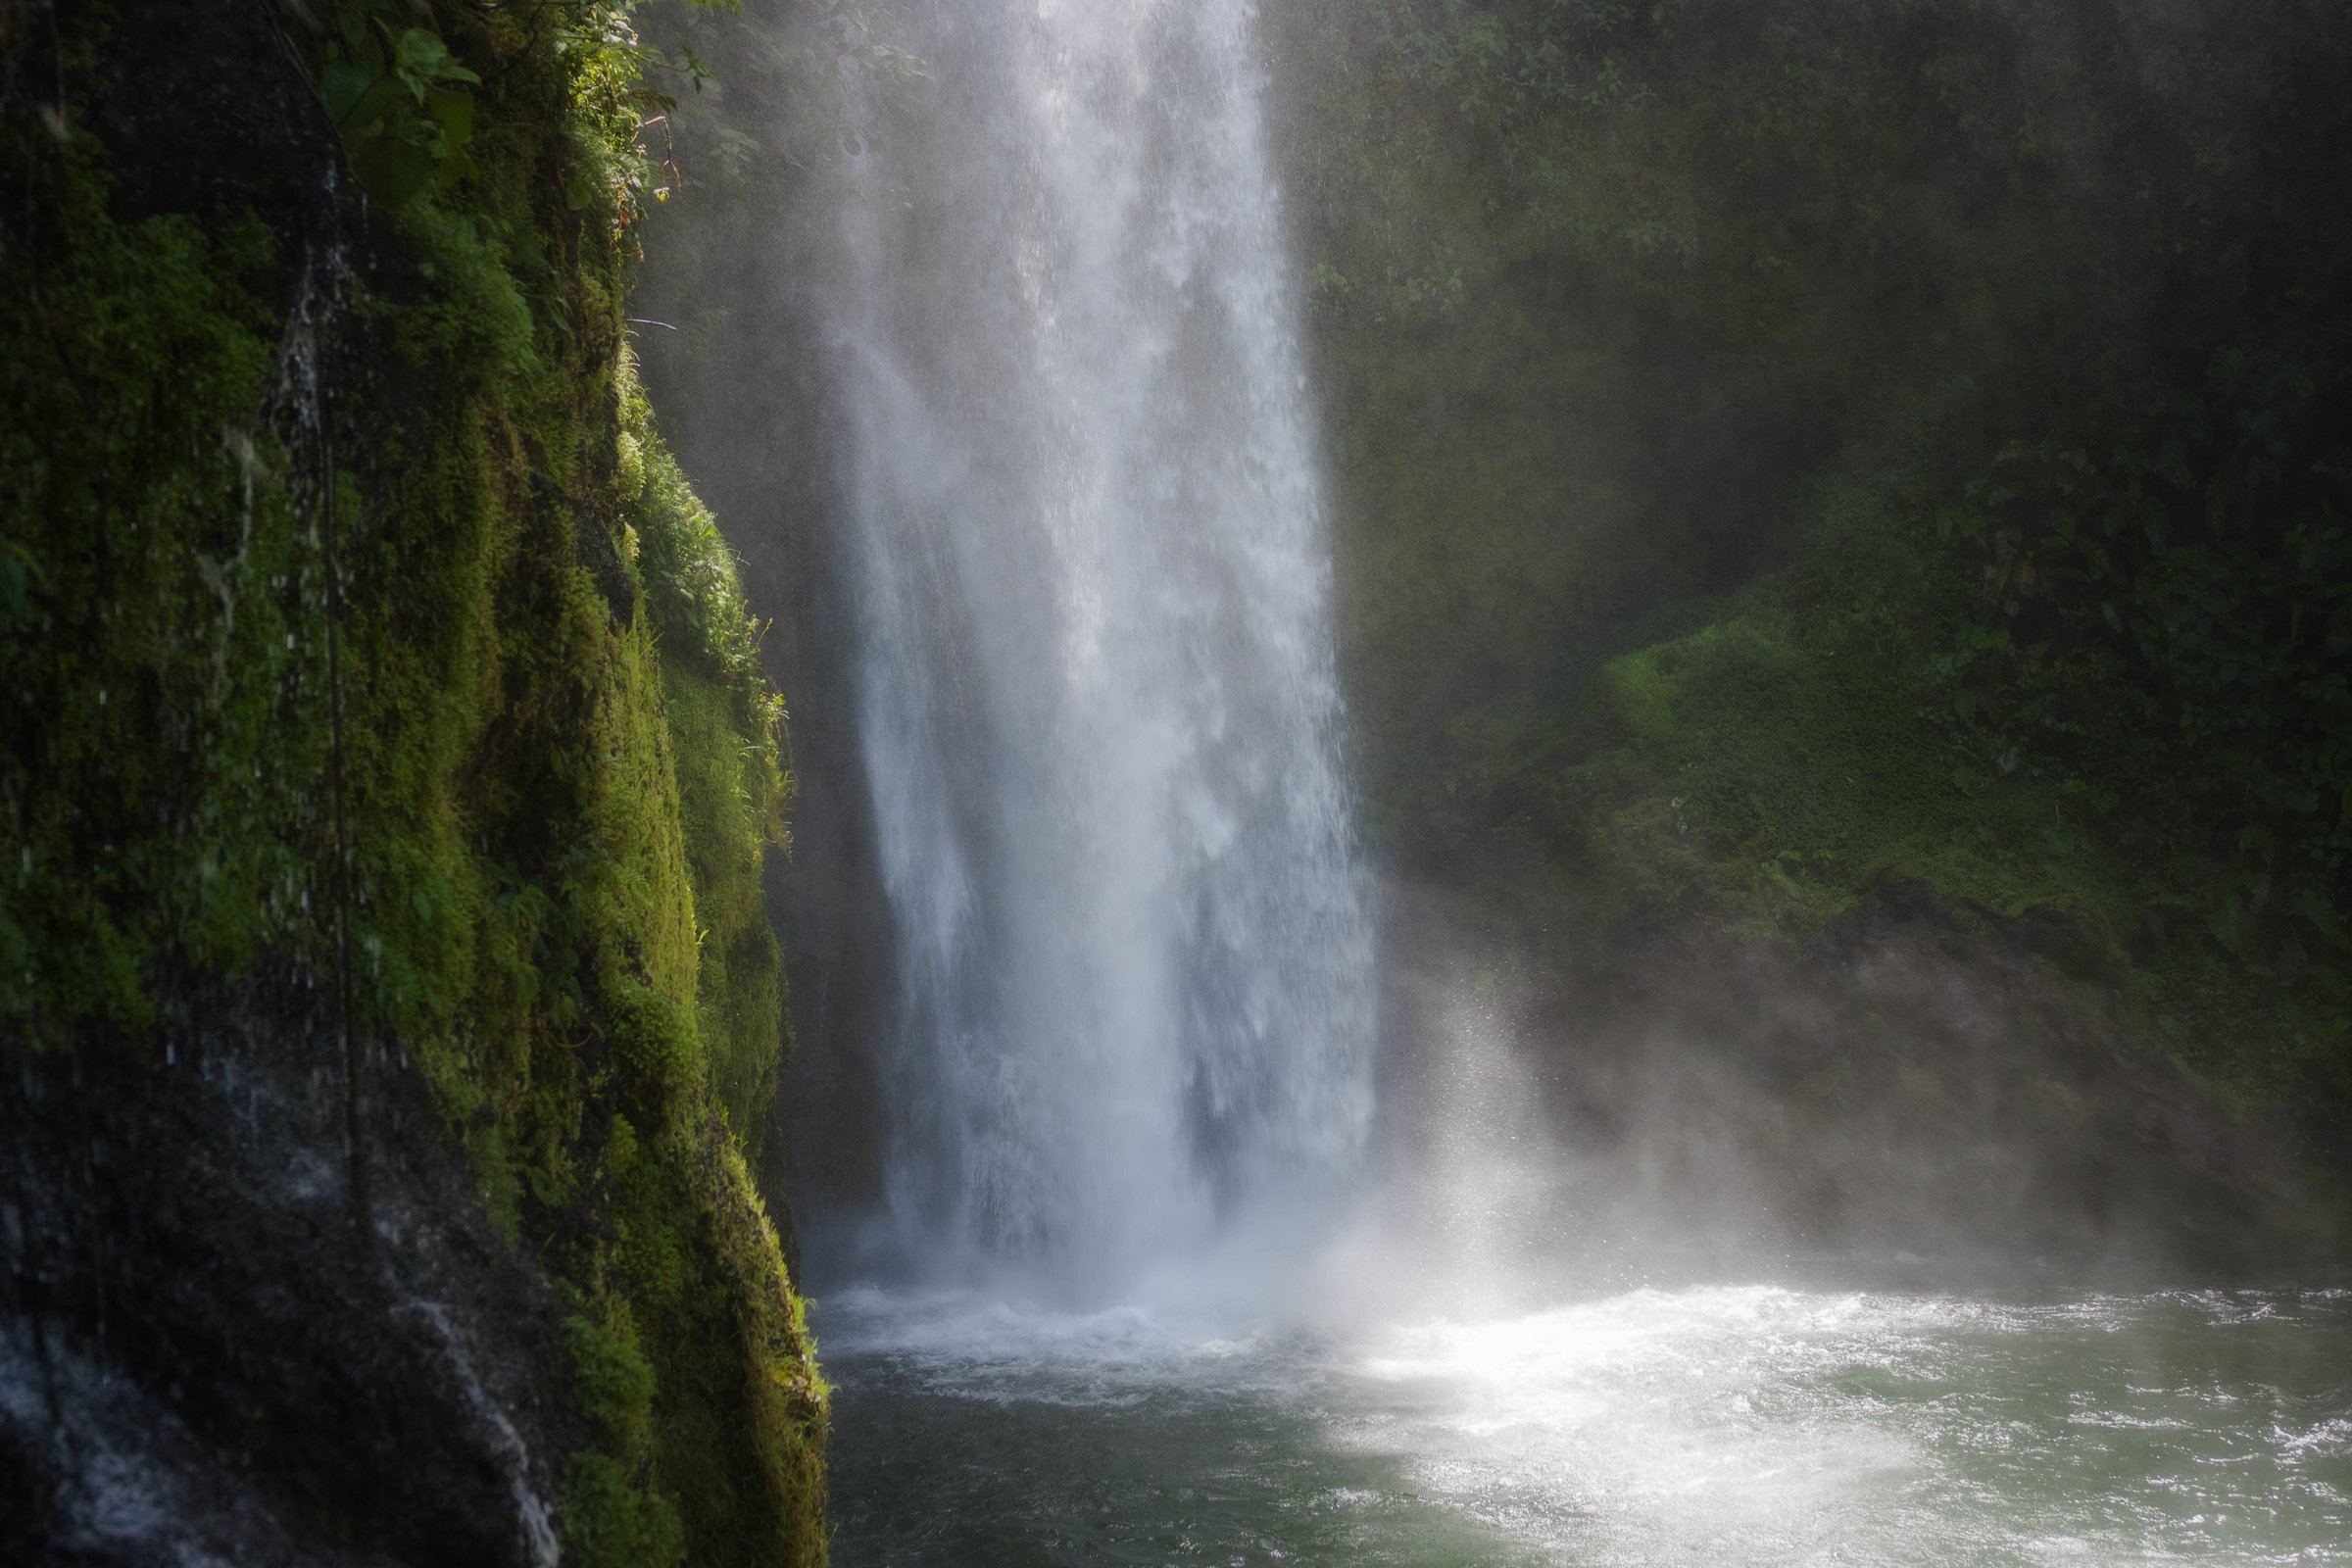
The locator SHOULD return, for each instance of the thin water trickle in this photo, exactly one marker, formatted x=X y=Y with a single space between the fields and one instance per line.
x=1097 y=708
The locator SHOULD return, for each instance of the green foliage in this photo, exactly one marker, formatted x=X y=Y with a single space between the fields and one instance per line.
x=615 y=1383
x=1800 y=754
x=2184 y=657
x=610 y=1523
x=160 y=614
x=653 y=1044
x=399 y=99
x=729 y=801
x=694 y=583
x=1851 y=446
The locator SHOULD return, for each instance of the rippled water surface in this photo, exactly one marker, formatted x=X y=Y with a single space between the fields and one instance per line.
x=1731 y=1425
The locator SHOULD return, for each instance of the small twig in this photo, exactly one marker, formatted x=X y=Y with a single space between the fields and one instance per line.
x=639 y=320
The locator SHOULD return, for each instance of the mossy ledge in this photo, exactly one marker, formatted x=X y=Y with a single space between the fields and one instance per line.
x=391 y=1004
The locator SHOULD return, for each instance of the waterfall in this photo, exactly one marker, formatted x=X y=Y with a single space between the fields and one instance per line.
x=1097 y=708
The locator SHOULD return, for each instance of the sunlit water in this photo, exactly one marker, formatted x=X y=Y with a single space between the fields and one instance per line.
x=1721 y=1425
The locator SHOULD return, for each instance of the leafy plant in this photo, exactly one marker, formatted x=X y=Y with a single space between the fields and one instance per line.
x=2168 y=615
x=399 y=99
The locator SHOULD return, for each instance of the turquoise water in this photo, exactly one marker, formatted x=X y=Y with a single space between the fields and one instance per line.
x=1716 y=1425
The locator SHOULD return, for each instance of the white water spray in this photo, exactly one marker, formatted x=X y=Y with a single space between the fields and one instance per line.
x=1099 y=709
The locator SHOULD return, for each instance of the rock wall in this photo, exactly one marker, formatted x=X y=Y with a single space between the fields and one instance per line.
x=391 y=1009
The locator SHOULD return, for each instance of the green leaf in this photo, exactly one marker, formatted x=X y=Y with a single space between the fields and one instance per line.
x=454 y=112
x=376 y=102
x=343 y=84
x=454 y=168
x=394 y=168
x=422 y=55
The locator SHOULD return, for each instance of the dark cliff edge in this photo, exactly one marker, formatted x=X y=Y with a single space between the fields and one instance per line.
x=391 y=1013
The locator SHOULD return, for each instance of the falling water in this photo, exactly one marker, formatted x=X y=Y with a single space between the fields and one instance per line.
x=1097 y=708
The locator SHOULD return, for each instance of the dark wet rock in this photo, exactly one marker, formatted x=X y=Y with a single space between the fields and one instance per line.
x=204 y=1355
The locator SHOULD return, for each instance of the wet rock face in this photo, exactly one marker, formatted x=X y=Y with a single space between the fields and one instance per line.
x=211 y=1349
x=207 y=1353
x=401 y=764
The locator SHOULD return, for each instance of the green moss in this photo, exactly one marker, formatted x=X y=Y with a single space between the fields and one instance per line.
x=739 y=1009
x=1803 y=770
x=560 y=770
x=653 y=1044
x=610 y=1522
x=615 y=1383
x=727 y=737
x=162 y=615
x=1798 y=757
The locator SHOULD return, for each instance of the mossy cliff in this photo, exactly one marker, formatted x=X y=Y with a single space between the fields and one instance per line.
x=391 y=1008
x=1815 y=467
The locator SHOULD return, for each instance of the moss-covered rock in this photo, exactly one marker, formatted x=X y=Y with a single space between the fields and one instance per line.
x=388 y=739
